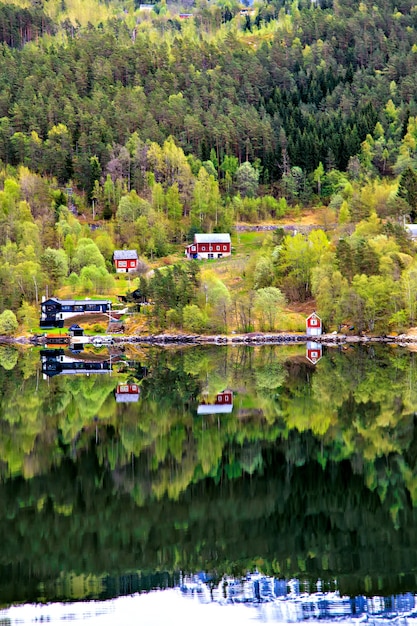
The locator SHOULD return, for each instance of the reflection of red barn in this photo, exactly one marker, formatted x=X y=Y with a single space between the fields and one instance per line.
x=222 y=404
x=314 y=351
x=128 y=392
x=313 y=325
x=225 y=397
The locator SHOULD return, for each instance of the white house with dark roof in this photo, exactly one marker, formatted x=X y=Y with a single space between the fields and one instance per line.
x=209 y=246
x=55 y=311
x=125 y=260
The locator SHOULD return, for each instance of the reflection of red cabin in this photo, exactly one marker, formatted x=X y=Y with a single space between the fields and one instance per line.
x=128 y=392
x=313 y=325
x=225 y=397
x=125 y=260
x=222 y=404
x=314 y=351
x=52 y=340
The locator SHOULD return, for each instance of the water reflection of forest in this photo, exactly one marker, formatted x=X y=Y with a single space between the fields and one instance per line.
x=311 y=474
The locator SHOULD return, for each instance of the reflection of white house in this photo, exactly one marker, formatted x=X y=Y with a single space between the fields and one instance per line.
x=209 y=246
x=128 y=392
x=222 y=404
x=55 y=362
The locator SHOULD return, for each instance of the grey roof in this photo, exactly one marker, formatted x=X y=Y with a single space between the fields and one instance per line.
x=212 y=238
x=125 y=254
x=74 y=302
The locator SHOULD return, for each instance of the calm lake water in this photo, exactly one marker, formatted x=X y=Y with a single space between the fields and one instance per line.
x=227 y=485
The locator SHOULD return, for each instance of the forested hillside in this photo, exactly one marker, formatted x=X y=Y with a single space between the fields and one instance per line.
x=288 y=86
x=150 y=125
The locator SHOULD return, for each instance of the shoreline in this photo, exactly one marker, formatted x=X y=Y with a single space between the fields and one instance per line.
x=162 y=339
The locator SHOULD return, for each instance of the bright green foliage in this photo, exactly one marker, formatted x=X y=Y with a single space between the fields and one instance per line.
x=194 y=319
x=55 y=265
x=296 y=259
x=269 y=302
x=96 y=280
x=8 y=323
x=87 y=253
x=216 y=300
x=206 y=204
x=377 y=299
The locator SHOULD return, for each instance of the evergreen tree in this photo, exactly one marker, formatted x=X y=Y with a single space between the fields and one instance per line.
x=407 y=189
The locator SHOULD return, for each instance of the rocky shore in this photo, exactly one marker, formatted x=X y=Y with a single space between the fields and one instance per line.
x=264 y=338
x=235 y=339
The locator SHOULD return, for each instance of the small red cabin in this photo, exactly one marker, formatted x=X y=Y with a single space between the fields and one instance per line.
x=125 y=260
x=313 y=325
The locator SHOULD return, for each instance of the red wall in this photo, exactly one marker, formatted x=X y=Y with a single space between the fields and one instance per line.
x=224 y=247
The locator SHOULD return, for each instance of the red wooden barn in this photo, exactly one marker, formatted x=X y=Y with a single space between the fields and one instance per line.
x=209 y=246
x=125 y=260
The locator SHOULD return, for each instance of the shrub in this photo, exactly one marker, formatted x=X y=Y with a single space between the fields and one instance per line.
x=193 y=318
x=8 y=323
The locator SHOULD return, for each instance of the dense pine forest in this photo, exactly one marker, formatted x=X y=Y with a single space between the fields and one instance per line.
x=130 y=127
